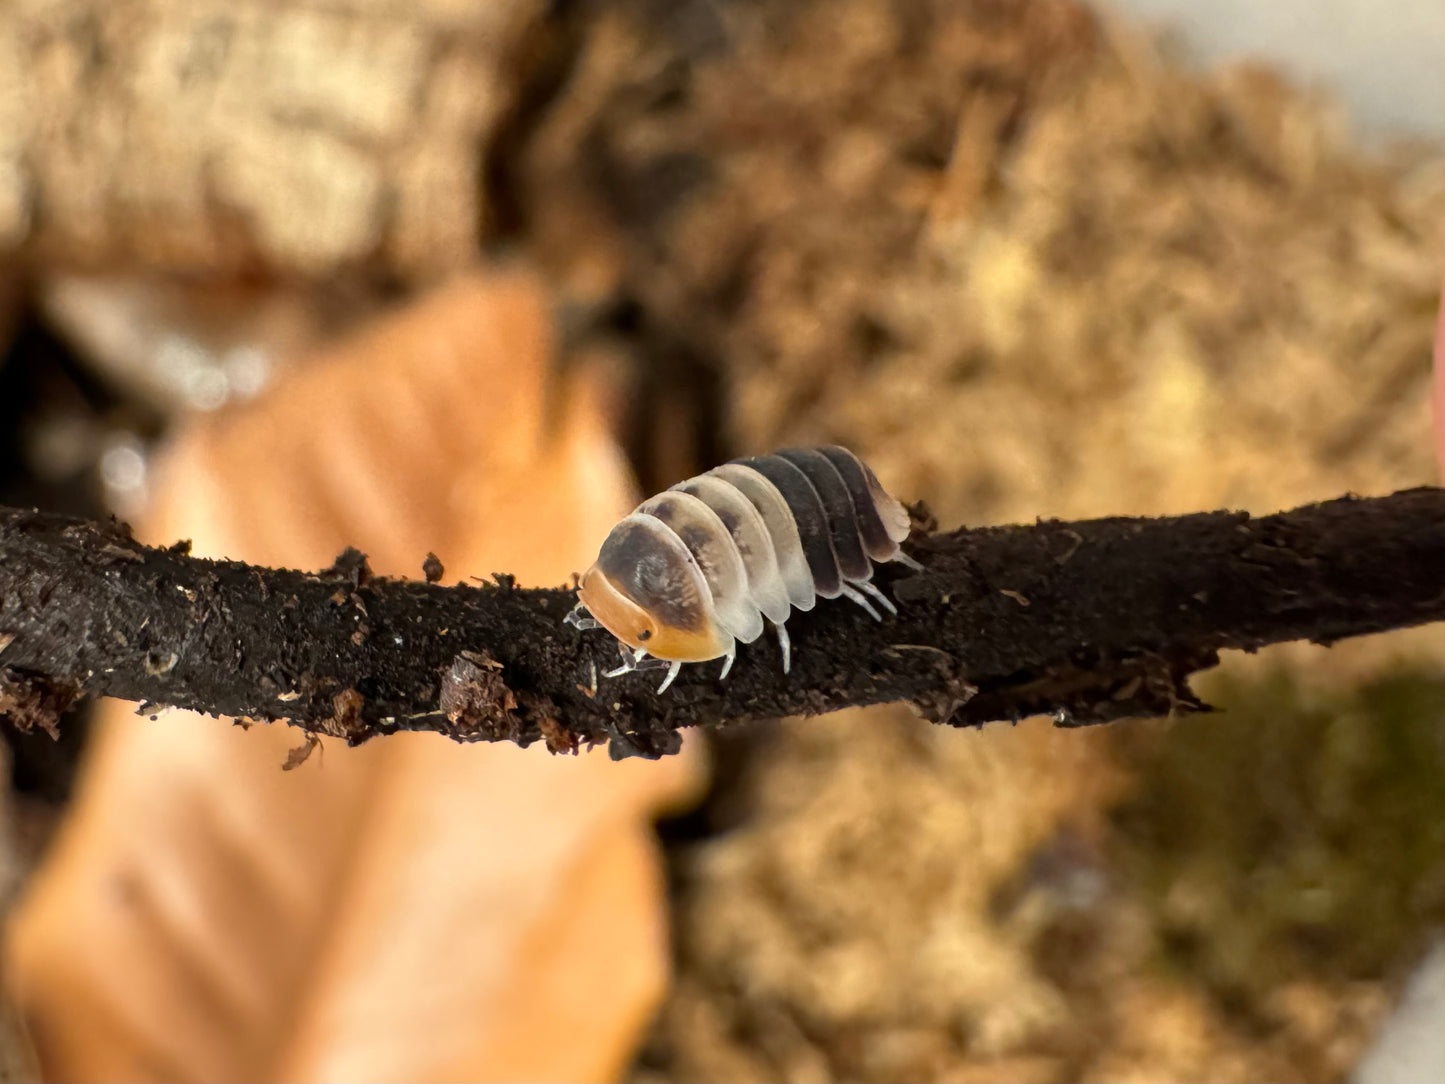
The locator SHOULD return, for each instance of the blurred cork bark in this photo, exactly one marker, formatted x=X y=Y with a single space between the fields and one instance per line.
x=210 y=138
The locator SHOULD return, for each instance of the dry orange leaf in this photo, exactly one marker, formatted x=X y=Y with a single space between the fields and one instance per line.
x=410 y=909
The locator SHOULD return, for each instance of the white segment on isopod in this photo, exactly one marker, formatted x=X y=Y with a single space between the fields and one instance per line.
x=828 y=497
x=750 y=536
x=782 y=528
x=711 y=545
x=809 y=516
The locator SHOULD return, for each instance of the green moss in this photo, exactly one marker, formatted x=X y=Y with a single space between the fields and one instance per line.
x=1292 y=834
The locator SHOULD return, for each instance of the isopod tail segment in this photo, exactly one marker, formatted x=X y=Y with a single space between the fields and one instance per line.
x=711 y=562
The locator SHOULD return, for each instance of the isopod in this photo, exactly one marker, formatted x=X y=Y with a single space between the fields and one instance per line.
x=700 y=568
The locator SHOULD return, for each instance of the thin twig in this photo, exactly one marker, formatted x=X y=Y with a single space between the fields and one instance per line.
x=1119 y=614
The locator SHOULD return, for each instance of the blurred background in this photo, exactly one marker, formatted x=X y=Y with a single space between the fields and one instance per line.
x=472 y=276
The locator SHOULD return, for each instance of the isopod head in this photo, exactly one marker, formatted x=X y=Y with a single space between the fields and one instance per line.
x=647 y=590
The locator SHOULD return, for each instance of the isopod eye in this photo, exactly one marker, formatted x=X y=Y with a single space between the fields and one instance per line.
x=645 y=634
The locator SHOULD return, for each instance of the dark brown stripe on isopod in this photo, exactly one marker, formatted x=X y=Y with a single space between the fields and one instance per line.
x=870 y=527
x=853 y=563
x=810 y=516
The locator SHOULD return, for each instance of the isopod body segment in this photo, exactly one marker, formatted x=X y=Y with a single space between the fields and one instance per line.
x=707 y=564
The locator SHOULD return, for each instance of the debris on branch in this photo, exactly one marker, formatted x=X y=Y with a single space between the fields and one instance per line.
x=1089 y=621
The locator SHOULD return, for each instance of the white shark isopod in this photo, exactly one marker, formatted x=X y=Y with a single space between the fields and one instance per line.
x=695 y=571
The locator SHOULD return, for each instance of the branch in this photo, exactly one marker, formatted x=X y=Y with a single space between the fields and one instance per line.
x=1089 y=621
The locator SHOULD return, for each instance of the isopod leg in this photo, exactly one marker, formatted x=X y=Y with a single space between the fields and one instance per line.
x=672 y=672
x=785 y=644
x=883 y=600
x=580 y=619
x=906 y=561
x=629 y=662
x=728 y=662
x=850 y=593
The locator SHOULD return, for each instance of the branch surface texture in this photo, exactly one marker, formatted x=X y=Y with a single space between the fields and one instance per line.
x=1088 y=621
